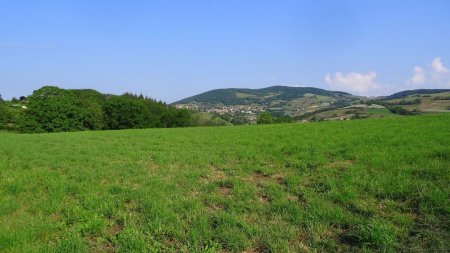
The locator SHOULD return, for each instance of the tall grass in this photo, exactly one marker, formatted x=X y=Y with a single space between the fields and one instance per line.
x=365 y=185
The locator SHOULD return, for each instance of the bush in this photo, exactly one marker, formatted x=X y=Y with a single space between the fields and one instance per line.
x=239 y=119
x=399 y=110
x=417 y=101
x=265 y=118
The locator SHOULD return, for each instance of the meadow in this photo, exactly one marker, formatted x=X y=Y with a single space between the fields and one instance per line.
x=342 y=186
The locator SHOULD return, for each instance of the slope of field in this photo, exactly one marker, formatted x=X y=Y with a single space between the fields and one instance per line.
x=433 y=102
x=373 y=185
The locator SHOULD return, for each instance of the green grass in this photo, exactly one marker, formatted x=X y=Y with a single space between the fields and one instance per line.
x=381 y=111
x=352 y=186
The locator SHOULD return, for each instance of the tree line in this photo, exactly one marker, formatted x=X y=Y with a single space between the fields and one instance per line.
x=51 y=109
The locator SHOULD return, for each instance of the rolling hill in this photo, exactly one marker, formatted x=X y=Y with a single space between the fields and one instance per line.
x=308 y=103
x=233 y=96
x=406 y=93
x=279 y=100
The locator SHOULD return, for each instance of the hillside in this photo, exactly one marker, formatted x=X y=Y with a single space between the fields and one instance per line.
x=313 y=104
x=422 y=101
x=266 y=96
x=406 y=93
x=280 y=100
x=376 y=185
x=405 y=103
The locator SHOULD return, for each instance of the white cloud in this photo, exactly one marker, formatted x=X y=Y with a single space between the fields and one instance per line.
x=432 y=76
x=437 y=66
x=435 y=75
x=418 y=76
x=354 y=82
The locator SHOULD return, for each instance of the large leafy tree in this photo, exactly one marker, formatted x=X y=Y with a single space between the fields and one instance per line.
x=51 y=109
x=177 y=118
x=93 y=102
x=122 y=112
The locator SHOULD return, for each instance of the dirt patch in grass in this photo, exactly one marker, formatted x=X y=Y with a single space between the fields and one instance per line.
x=104 y=246
x=292 y=197
x=215 y=174
x=114 y=229
x=149 y=164
x=279 y=178
x=258 y=248
x=130 y=205
x=108 y=247
x=341 y=165
x=55 y=216
x=225 y=189
x=258 y=177
x=215 y=207
x=263 y=199
x=251 y=251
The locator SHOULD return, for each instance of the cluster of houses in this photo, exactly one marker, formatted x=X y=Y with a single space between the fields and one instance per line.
x=232 y=109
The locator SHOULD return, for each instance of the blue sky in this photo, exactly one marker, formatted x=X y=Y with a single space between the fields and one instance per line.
x=173 y=49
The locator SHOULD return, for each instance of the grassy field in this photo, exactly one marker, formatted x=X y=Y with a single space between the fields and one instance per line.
x=361 y=185
x=381 y=112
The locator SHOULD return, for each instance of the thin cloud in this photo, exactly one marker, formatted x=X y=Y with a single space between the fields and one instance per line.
x=22 y=45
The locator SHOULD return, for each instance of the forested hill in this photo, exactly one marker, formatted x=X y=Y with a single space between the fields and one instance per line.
x=235 y=96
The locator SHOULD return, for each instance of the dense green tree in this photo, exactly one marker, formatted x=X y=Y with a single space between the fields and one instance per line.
x=265 y=118
x=92 y=102
x=122 y=112
x=239 y=119
x=9 y=115
x=51 y=109
x=177 y=118
x=157 y=111
x=399 y=110
x=3 y=113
